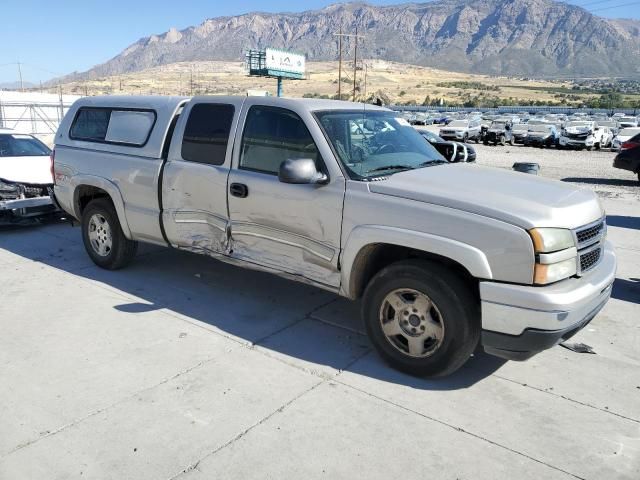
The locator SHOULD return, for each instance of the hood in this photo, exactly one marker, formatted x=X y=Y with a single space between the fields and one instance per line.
x=34 y=170
x=578 y=130
x=518 y=198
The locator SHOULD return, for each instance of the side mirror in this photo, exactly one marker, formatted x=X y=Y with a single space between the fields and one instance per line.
x=301 y=171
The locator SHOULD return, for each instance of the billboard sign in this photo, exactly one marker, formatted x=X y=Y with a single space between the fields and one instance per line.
x=282 y=61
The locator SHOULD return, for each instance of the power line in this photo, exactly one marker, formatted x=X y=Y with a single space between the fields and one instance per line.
x=616 y=6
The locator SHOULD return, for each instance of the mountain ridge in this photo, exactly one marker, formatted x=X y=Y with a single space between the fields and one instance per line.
x=497 y=37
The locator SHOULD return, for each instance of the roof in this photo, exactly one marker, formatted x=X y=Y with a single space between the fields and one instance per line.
x=311 y=104
x=155 y=102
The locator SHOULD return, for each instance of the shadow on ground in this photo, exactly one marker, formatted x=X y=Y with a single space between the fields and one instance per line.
x=623 y=221
x=602 y=181
x=626 y=290
x=286 y=317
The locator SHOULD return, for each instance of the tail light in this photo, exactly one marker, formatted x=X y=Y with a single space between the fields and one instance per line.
x=52 y=157
x=629 y=145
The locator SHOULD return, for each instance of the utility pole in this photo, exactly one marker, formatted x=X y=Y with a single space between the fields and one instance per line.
x=355 y=64
x=20 y=76
x=340 y=65
x=191 y=83
x=355 y=61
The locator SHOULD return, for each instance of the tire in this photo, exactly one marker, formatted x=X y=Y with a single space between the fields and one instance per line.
x=103 y=238
x=502 y=140
x=589 y=149
x=465 y=138
x=454 y=314
x=485 y=142
x=512 y=142
x=597 y=146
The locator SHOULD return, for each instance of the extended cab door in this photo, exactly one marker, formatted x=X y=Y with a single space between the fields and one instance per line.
x=286 y=227
x=194 y=179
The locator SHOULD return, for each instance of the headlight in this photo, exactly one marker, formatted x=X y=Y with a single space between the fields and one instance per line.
x=546 y=240
x=544 y=274
x=556 y=255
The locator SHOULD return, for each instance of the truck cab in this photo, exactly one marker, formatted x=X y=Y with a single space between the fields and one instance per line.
x=347 y=197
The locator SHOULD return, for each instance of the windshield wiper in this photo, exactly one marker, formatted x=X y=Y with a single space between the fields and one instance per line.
x=433 y=162
x=391 y=167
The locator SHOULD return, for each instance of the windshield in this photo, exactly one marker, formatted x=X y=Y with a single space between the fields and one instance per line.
x=521 y=127
x=459 y=123
x=375 y=143
x=577 y=124
x=17 y=145
x=498 y=125
x=628 y=120
x=628 y=132
x=432 y=137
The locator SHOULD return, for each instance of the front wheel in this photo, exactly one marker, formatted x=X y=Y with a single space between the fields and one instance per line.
x=421 y=318
x=103 y=237
x=503 y=140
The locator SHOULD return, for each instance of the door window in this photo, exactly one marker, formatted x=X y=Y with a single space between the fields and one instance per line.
x=273 y=135
x=207 y=133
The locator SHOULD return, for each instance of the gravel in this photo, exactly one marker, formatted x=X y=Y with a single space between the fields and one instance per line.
x=592 y=169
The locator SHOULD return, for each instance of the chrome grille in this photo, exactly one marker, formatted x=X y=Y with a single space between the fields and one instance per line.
x=590 y=234
x=590 y=259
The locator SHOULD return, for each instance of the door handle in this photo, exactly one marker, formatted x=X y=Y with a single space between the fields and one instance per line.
x=239 y=190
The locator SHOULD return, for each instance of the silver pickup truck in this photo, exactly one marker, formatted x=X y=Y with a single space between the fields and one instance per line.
x=444 y=257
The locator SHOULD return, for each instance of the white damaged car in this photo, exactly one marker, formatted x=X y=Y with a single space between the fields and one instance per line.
x=25 y=177
x=582 y=134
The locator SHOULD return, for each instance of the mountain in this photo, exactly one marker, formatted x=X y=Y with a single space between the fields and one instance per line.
x=502 y=37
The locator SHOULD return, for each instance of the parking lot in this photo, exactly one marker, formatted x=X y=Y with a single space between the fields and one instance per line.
x=184 y=367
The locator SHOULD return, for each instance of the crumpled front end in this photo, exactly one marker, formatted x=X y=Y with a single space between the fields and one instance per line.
x=21 y=202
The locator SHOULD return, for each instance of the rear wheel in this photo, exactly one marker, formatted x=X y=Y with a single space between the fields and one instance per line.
x=421 y=318
x=502 y=140
x=103 y=237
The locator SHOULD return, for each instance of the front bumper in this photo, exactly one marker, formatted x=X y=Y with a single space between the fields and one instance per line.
x=519 y=321
x=577 y=142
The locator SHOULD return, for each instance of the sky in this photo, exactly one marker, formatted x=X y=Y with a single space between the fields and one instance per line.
x=53 y=38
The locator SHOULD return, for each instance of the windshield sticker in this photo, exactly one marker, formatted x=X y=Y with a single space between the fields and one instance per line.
x=402 y=121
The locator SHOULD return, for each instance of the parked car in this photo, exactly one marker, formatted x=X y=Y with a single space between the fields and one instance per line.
x=444 y=256
x=462 y=130
x=629 y=156
x=452 y=151
x=520 y=131
x=611 y=125
x=607 y=136
x=542 y=136
x=25 y=177
x=581 y=134
x=628 y=122
x=499 y=132
x=624 y=135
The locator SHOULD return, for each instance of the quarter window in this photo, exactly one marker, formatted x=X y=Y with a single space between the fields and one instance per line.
x=206 y=135
x=111 y=125
x=273 y=135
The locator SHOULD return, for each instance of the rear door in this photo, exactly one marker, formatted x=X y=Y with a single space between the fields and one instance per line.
x=194 y=183
x=290 y=228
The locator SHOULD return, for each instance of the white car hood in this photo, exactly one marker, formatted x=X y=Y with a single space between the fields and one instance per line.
x=578 y=130
x=518 y=198
x=34 y=170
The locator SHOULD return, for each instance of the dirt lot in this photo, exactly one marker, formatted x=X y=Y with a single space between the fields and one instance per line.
x=183 y=367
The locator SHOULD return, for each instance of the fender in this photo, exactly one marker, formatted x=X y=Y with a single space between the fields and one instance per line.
x=471 y=258
x=108 y=186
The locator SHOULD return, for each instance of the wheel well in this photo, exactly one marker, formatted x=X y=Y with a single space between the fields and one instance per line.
x=373 y=258
x=85 y=194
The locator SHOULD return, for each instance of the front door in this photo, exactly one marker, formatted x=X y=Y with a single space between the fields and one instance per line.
x=291 y=228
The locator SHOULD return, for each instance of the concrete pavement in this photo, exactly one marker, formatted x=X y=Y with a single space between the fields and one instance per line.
x=183 y=367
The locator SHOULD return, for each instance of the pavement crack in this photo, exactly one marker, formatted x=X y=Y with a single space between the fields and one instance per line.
x=280 y=409
x=460 y=429
x=105 y=408
x=564 y=397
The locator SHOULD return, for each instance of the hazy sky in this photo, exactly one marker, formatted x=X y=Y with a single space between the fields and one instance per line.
x=56 y=38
